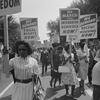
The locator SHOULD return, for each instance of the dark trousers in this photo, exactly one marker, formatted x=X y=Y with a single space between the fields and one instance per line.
x=44 y=68
x=81 y=83
x=54 y=77
x=90 y=71
x=90 y=75
x=96 y=92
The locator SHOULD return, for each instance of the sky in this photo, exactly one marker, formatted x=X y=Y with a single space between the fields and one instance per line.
x=44 y=10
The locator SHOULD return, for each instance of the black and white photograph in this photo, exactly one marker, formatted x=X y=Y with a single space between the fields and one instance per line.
x=49 y=49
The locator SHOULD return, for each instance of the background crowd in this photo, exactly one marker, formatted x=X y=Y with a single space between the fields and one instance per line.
x=71 y=65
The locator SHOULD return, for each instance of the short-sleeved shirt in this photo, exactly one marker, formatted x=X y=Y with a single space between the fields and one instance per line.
x=24 y=68
x=96 y=74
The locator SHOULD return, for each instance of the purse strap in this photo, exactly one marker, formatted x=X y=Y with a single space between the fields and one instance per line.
x=36 y=80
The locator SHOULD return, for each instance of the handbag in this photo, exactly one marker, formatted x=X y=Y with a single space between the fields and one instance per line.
x=38 y=91
x=39 y=94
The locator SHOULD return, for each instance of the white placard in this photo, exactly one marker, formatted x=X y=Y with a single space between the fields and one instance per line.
x=88 y=26
x=69 y=23
x=29 y=29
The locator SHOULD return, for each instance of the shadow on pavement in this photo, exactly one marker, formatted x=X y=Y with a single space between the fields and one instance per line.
x=6 y=98
x=49 y=93
x=64 y=97
x=52 y=91
x=57 y=88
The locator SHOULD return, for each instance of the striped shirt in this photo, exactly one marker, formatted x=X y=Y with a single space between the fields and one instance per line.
x=24 y=68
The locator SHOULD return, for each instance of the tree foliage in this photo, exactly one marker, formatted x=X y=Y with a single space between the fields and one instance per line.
x=87 y=6
x=13 y=30
x=53 y=27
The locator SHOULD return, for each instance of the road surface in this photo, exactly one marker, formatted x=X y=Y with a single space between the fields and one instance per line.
x=58 y=93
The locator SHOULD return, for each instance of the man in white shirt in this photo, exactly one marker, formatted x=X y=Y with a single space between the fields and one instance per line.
x=96 y=78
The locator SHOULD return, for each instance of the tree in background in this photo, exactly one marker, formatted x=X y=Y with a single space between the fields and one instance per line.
x=53 y=27
x=87 y=6
x=14 y=32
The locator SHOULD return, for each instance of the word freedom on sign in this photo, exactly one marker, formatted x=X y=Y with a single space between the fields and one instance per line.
x=9 y=3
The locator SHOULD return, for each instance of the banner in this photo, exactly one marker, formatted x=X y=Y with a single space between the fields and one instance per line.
x=88 y=26
x=29 y=29
x=69 y=23
x=8 y=7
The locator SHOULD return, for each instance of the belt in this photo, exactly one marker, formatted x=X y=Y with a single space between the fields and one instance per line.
x=24 y=81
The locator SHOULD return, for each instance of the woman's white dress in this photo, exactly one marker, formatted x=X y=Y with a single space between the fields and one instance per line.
x=24 y=68
x=69 y=77
x=83 y=68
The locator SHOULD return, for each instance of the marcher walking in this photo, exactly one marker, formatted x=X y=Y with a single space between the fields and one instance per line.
x=44 y=61
x=24 y=67
x=96 y=78
x=69 y=77
x=56 y=63
x=92 y=54
x=83 y=68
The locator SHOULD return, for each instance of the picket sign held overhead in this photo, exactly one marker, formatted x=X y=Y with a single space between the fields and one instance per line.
x=29 y=29
x=88 y=26
x=8 y=7
x=69 y=23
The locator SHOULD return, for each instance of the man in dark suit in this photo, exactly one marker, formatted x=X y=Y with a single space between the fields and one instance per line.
x=44 y=61
x=56 y=61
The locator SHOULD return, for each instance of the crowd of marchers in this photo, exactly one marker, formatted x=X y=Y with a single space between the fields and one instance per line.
x=69 y=64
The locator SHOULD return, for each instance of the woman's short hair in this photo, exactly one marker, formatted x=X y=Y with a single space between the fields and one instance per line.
x=29 y=49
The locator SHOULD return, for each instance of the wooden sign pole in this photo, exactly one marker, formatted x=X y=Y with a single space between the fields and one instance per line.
x=6 y=45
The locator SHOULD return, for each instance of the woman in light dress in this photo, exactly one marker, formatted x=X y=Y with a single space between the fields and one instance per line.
x=69 y=77
x=83 y=68
x=24 y=67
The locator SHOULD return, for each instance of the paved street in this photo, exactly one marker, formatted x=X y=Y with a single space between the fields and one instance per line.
x=58 y=93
